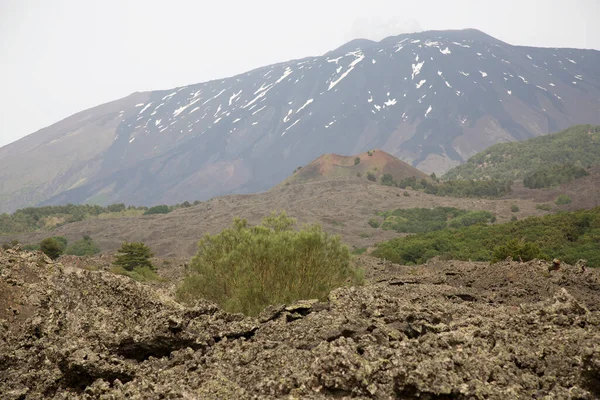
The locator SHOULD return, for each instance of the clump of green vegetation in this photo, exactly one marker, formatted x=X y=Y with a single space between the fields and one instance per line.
x=415 y=220
x=406 y=194
x=553 y=175
x=133 y=260
x=370 y=153
x=374 y=223
x=569 y=236
x=356 y=160
x=246 y=268
x=83 y=247
x=577 y=146
x=161 y=209
x=562 y=200
x=455 y=188
x=371 y=176
x=518 y=250
x=359 y=250
x=387 y=180
x=514 y=208
x=54 y=246
x=134 y=255
x=544 y=207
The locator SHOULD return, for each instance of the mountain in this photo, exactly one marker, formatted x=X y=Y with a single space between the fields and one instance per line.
x=432 y=99
x=577 y=146
x=373 y=162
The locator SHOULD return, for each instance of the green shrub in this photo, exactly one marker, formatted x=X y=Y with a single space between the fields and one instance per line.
x=371 y=176
x=562 y=200
x=374 y=223
x=83 y=247
x=356 y=160
x=406 y=194
x=370 y=152
x=543 y=207
x=162 y=209
x=133 y=256
x=53 y=247
x=517 y=249
x=514 y=208
x=388 y=180
x=360 y=250
x=244 y=269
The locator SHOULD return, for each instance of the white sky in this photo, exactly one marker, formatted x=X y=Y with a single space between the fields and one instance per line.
x=62 y=56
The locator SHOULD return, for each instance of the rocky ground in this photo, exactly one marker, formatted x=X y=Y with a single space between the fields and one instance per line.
x=446 y=330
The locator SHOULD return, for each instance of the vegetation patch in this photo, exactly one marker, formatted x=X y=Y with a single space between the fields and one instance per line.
x=577 y=146
x=569 y=236
x=554 y=175
x=246 y=268
x=562 y=200
x=83 y=247
x=419 y=220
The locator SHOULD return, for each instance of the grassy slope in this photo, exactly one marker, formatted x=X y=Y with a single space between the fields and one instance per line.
x=577 y=145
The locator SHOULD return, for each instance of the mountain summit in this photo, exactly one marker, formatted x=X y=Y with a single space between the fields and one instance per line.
x=432 y=99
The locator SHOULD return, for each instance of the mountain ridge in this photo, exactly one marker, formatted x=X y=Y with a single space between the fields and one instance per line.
x=429 y=100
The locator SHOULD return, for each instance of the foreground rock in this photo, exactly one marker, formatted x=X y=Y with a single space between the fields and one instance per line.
x=446 y=330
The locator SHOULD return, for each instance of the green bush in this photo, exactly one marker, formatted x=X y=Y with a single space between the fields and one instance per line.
x=356 y=160
x=544 y=207
x=134 y=256
x=406 y=194
x=517 y=249
x=371 y=176
x=244 y=268
x=374 y=223
x=514 y=208
x=162 y=209
x=388 y=180
x=52 y=247
x=83 y=247
x=562 y=200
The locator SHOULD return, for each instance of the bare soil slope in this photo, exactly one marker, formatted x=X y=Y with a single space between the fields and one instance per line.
x=447 y=330
x=376 y=162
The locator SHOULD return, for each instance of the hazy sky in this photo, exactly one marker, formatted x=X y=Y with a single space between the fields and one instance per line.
x=62 y=56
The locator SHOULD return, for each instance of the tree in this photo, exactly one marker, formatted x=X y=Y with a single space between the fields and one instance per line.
x=356 y=160
x=161 y=209
x=133 y=256
x=388 y=180
x=244 y=268
x=52 y=247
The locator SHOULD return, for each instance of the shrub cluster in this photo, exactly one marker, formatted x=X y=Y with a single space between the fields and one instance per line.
x=569 y=236
x=245 y=268
x=554 y=175
x=416 y=220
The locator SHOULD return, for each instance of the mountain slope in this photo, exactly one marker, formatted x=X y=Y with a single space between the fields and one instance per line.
x=332 y=166
x=431 y=99
x=578 y=145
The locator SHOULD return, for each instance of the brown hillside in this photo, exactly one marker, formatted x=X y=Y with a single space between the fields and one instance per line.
x=335 y=166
